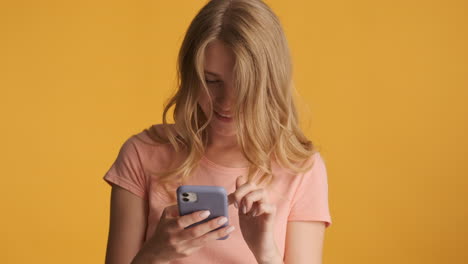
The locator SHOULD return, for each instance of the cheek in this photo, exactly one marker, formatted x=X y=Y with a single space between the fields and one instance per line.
x=204 y=103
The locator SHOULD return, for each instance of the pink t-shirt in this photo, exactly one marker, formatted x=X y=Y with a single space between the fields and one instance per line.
x=301 y=197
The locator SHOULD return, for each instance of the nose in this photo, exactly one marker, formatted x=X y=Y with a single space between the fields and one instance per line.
x=224 y=103
x=225 y=99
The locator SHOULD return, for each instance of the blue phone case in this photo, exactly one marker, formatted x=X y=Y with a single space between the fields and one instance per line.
x=192 y=198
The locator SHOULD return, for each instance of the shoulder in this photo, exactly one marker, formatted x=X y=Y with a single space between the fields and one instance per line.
x=306 y=165
x=151 y=147
x=154 y=134
x=145 y=145
x=316 y=160
x=311 y=167
x=315 y=167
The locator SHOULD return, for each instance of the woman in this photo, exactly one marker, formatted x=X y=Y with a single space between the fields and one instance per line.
x=236 y=126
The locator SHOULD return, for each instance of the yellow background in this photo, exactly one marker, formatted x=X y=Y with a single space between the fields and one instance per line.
x=384 y=91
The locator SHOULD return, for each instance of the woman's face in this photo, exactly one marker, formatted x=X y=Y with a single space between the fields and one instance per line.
x=219 y=63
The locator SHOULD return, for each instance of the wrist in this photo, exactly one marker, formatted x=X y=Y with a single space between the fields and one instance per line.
x=270 y=259
x=143 y=257
x=271 y=256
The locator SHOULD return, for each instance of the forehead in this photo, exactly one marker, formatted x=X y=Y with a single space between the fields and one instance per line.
x=219 y=59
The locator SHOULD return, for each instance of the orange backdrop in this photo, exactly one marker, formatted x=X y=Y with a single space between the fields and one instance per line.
x=383 y=89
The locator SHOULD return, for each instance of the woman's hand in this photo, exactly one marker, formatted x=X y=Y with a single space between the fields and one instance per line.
x=256 y=220
x=171 y=241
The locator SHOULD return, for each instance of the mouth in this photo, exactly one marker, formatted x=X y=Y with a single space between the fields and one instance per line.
x=222 y=117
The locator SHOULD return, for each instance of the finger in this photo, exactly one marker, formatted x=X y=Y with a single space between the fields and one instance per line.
x=265 y=208
x=182 y=222
x=258 y=195
x=201 y=229
x=202 y=240
x=253 y=211
x=232 y=200
x=242 y=191
x=169 y=212
x=241 y=180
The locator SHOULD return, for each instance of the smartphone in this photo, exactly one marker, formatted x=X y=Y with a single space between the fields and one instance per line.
x=192 y=198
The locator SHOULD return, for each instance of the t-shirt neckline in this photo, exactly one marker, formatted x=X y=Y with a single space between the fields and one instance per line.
x=214 y=165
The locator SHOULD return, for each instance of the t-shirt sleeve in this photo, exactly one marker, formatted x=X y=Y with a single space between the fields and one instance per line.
x=127 y=170
x=310 y=201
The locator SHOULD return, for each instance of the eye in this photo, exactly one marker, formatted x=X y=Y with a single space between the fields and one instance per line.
x=210 y=81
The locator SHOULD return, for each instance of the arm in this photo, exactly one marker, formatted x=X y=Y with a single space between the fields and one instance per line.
x=128 y=216
x=304 y=242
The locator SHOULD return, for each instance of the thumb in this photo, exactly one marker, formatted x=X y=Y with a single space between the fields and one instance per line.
x=169 y=212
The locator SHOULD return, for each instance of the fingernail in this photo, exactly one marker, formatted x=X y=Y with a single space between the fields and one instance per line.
x=255 y=213
x=235 y=204
x=230 y=229
x=251 y=213
x=222 y=220
x=244 y=209
x=204 y=214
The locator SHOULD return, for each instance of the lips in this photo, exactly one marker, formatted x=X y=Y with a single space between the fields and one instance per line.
x=226 y=119
x=223 y=114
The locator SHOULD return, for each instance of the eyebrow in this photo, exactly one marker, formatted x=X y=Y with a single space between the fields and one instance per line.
x=212 y=73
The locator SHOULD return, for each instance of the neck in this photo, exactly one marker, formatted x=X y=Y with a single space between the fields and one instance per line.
x=225 y=150
x=223 y=142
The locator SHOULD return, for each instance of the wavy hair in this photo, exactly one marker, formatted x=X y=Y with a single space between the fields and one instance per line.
x=264 y=109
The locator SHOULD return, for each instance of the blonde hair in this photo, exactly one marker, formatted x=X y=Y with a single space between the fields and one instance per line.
x=265 y=111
